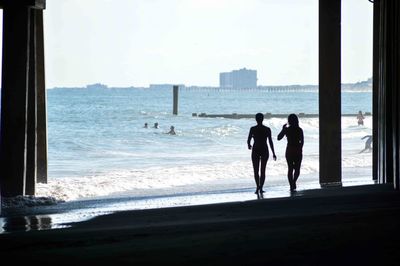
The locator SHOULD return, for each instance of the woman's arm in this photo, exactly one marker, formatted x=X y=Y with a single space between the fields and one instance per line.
x=301 y=138
x=271 y=143
x=249 y=139
x=282 y=133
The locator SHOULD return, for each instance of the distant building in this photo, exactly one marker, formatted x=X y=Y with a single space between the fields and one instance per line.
x=225 y=80
x=96 y=86
x=238 y=79
x=165 y=86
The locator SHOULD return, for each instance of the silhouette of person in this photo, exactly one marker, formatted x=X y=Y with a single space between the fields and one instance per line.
x=368 y=143
x=172 y=131
x=145 y=125
x=360 y=118
x=155 y=125
x=294 y=148
x=260 y=153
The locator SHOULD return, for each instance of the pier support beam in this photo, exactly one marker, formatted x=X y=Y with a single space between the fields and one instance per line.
x=375 y=90
x=176 y=97
x=388 y=116
x=19 y=94
x=31 y=147
x=41 y=101
x=14 y=95
x=330 y=142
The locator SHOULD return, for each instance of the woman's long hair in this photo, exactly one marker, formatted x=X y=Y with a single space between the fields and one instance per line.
x=293 y=120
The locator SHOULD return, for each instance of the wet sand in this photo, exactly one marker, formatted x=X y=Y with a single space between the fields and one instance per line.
x=331 y=226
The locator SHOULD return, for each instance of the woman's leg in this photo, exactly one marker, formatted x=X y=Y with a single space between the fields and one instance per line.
x=256 y=164
x=297 y=165
x=289 y=161
x=263 y=166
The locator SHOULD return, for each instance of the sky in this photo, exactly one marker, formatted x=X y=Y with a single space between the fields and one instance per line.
x=124 y=43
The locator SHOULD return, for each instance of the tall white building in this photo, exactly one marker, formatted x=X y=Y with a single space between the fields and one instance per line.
x=238 y=79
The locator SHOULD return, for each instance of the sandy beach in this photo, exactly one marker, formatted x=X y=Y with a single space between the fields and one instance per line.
x=347 y=226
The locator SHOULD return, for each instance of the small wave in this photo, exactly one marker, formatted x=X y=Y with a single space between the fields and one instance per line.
x=220 y=131
x=163 y=178
x=356 y=160
x=178 y=177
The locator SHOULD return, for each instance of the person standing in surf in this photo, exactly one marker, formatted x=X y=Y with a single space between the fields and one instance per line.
x=260 y=153
x=294 y=148
x=360 y=118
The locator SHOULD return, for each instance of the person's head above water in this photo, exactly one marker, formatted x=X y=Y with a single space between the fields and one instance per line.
x=293 y=120
x=259 y=118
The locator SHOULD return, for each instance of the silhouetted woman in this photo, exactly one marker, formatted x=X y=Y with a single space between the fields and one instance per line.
x=260 y=153
x=294 y=148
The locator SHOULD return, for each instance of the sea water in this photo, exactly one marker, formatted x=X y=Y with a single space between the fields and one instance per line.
x=98 y=147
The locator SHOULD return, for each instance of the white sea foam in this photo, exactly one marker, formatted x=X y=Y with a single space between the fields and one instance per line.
x=28 y=201
x=357 y=160
x=156 y=178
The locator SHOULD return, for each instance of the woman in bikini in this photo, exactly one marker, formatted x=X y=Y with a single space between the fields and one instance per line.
x=294 y=148
x=260 y=153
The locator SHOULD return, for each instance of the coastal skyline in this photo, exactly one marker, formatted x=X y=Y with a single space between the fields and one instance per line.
x=138 y=43
x=364 y=84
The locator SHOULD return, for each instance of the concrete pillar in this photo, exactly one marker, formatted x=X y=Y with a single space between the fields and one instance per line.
x=389 y=93
x=375 y=90
x=41 y=101
x=31 y=159
x=176 y=97
x=14 y=93
x=384 y=104
x=330 y=152
x=395 y=70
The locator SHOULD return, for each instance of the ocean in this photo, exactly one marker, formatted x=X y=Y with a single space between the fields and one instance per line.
x=98 y=147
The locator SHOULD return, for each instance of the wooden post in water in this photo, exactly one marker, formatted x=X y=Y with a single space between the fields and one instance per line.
x=176 y=92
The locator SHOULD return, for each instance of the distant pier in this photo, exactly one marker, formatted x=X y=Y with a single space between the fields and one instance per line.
x=266 y=115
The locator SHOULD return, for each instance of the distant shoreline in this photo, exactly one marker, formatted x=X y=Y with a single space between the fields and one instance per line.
x=358 y=86
x=293 y=88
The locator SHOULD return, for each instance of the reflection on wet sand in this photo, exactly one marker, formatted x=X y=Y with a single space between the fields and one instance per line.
x=25 y=223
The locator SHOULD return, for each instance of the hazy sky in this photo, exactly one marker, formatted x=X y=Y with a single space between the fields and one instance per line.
x=140 y=42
